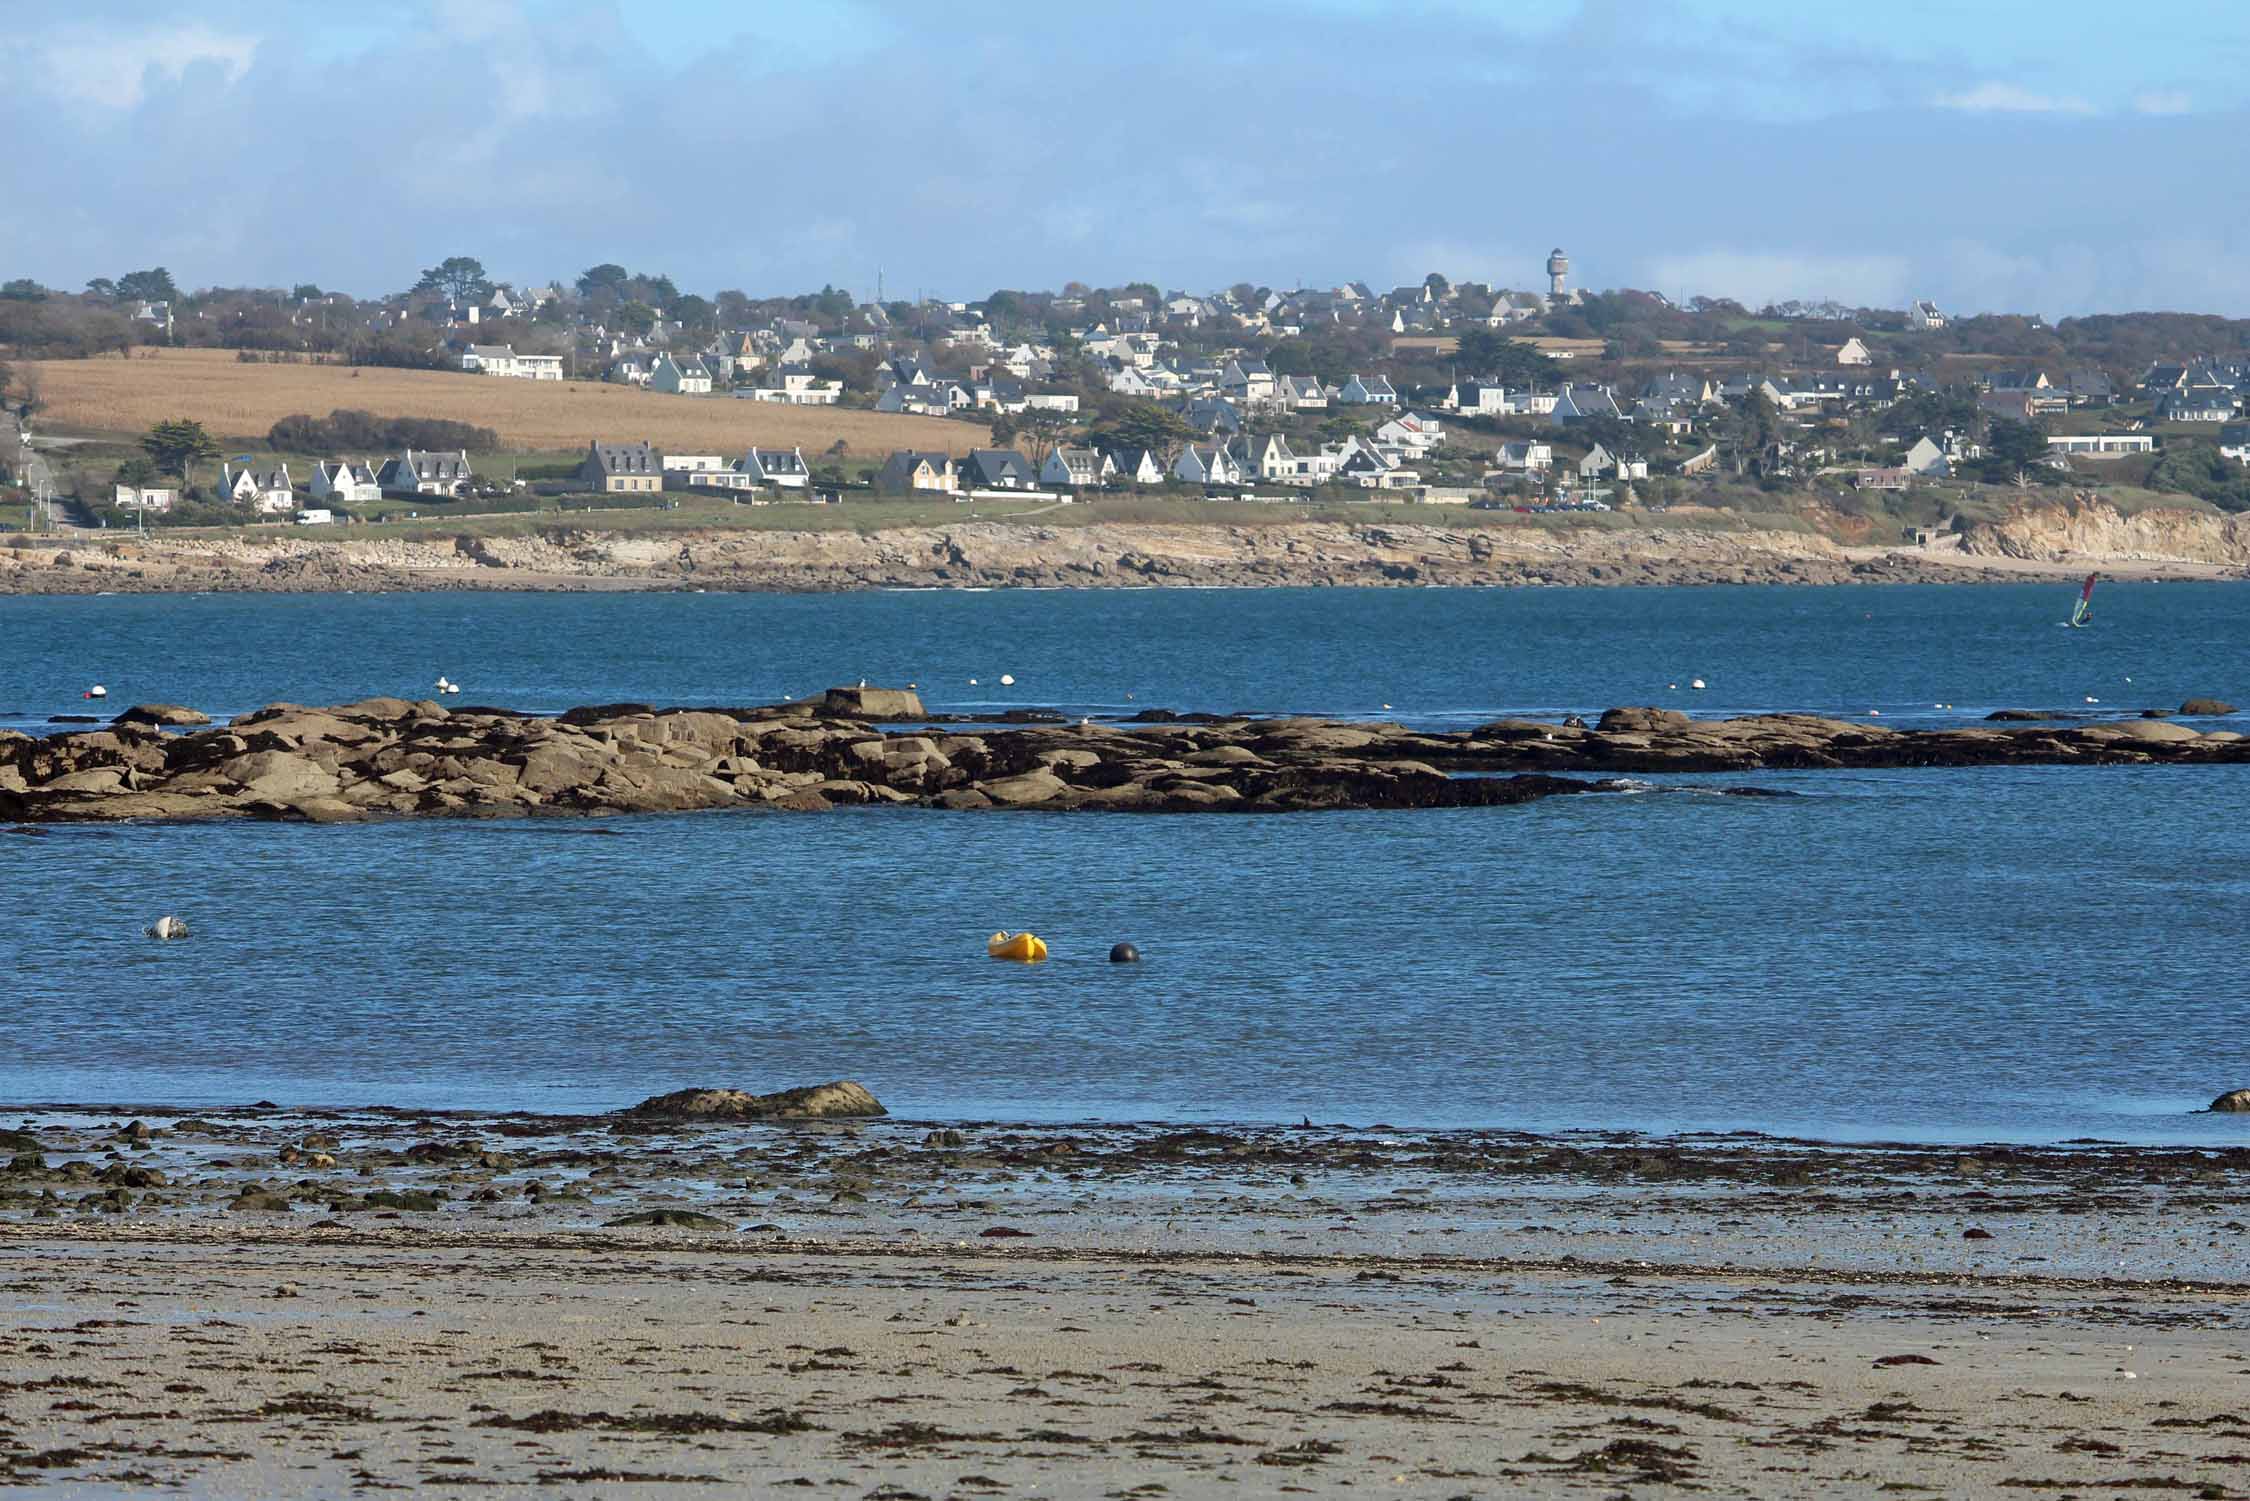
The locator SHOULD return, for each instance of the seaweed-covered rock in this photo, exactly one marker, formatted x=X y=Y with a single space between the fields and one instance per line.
x=841 y=1099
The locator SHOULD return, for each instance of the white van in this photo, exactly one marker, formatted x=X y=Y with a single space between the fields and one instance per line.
x=315 y=518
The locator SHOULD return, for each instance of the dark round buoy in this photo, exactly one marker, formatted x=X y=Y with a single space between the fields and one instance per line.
x=1124 y=953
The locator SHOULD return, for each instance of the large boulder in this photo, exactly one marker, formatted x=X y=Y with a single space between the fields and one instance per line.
x=277 y=776
x=2233 y=1102
x=874 y=703
x=2207 y=706
x=1642 y=721
x=168 y=714
x=839 y=1100
x=1025 y=791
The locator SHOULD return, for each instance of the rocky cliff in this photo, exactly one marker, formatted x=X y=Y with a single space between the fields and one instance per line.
x=970 y=555
x=2089 y=531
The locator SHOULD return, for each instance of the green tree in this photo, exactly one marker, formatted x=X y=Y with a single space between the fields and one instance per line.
x=152 y=285
x=1484 y=353
x=460 y=277
x=2013 y=450
x=306 y=292
x=102 y=287
x=137 y=470
x=1143 y=424
x=635 y=317
x=172 y=446
x=693 y=311
x=607 y=277
x=23 y=289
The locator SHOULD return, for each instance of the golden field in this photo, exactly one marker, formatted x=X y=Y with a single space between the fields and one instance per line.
x=238 y=401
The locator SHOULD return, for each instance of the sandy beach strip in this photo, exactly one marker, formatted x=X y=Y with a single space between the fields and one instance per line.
x=274 y=1365
x=259 y=1303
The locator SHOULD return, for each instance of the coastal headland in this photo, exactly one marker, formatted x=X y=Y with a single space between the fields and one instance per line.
x=390 y=757
x=1084 y=550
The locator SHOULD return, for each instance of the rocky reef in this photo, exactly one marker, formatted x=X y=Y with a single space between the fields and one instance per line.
x=388 y=757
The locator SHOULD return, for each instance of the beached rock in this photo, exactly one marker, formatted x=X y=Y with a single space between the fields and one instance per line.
x=2234 y=1101
x=670 y=1219
x=2207 y=706
x=166 y=714
x=393 y=758
x=874 y=703
x=1641 y=720
x=841 y=1099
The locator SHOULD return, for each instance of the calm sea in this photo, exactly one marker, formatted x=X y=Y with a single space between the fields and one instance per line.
x=2038 y=953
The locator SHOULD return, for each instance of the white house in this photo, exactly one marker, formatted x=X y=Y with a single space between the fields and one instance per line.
x=502 y=359
x=1475 y=399
x=340 y=482
x=687 y=465
x=784 y=468
x=1927 y=458
x=1600 y=461
x=1525 y=457
x=1138 y=466
x=266 y=491
x=1853 y=353
x=426 y=473
x=1411 y=431
x=2100 y=445
x=794 y=386
x=1248 y=382
x=685 y=376
x=1051 y=401
x=1373 y=391
x=1207 y=464
x=1574 y=402
x=1077 y=468
x=145 y=498
x=1924 y=315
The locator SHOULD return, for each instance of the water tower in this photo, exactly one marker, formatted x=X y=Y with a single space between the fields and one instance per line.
x=1558 y=275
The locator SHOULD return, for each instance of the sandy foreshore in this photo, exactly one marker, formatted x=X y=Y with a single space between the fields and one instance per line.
x=1464 y=549
x=315 y=1304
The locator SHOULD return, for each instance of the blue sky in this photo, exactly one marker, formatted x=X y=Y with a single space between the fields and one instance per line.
x=2024 y=155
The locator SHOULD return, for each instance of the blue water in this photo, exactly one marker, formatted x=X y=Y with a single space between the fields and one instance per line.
x=2017 y=953
x=1429 y=654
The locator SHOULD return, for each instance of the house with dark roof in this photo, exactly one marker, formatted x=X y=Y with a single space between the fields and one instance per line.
x=1077 y=468
x=1213 y=415
x=267 y=491
x=1373 y=390
x=998 y=469
x=679 y=375
x=907 y=472
x=427 y=473
x=1137 y=466
x=1575 y=402
x=621 y=468
x=2203 y=405
x=781 y=467
x=345 y=483
x=1207 y=464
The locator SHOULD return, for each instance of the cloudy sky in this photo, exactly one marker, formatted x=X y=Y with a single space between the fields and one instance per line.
x=2048 y=156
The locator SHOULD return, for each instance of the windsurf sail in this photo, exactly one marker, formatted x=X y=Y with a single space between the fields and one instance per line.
x=2083 y=611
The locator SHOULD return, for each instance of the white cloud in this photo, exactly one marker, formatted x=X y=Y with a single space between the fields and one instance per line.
x=112 y=68
x=2163 y=102
x=1994 y=97
x=1756 y=277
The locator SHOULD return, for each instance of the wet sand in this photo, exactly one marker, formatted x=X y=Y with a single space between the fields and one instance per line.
x=899 y=1308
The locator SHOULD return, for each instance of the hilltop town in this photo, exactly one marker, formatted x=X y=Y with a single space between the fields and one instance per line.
x=1439 y=393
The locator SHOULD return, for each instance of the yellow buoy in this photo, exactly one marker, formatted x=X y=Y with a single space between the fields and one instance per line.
x=1024 y=948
